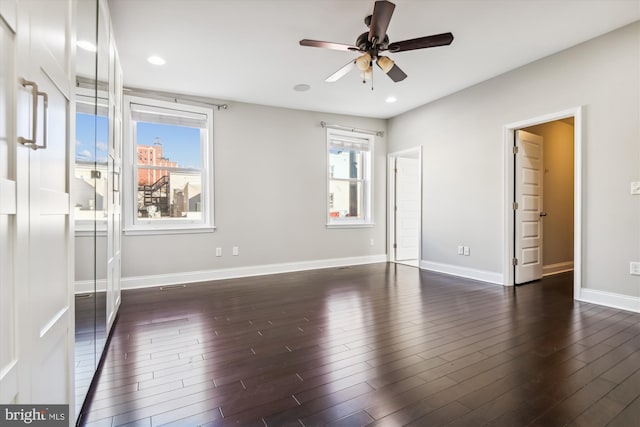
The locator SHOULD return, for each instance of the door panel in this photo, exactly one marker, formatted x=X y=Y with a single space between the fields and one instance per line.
x=43 y=203
x=49 y=246
x=407 y=209
x=528 y=174
x=8 y=350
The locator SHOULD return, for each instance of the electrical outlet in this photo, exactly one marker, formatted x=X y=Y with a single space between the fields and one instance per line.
x=218 y=251
x=371 y=242
x=635 y=188
x=236 y=251
x=467 y=251
x=634 y=268
x=460 y=250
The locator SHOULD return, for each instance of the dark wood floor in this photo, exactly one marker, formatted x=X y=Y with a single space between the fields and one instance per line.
x=378 y=344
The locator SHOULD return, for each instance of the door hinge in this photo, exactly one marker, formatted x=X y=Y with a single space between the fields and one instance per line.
x=515 y=149
x=515 y=206
x=395 y=246
x=514 y=261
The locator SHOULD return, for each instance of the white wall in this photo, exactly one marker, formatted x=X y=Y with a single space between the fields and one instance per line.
x=462 y=136
x=270 y=199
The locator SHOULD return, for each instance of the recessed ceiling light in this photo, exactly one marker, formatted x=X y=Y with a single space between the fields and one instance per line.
x=86 y=45
x=156 y=60
x=391 y=99
x=301 y=87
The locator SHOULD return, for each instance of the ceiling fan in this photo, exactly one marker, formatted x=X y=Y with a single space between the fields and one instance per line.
x=371 y=43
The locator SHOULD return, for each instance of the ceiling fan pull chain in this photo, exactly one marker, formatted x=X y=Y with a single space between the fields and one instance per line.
x=372 y=79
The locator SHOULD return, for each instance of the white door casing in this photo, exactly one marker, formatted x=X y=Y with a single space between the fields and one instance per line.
x=43 y=227
x=528 y=196
x=407 y=218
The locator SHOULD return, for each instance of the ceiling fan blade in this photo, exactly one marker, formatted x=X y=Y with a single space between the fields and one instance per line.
x=328 y=45
x=341 y=72
x=382 y=12
x=391 y=69
x=443 y=39
x=396 y=74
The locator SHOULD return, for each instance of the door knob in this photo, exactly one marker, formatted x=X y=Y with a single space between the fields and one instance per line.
x=543 y=214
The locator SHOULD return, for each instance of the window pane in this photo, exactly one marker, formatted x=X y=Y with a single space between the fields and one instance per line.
x=163 y=194
x=168 y=145
x=345 y=199
x=345 y=163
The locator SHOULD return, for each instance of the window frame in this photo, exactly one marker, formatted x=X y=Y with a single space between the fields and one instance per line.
x=137 y=226
x=367 y=180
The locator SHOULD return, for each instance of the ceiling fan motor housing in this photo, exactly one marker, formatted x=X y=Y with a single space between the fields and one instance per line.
x=363 y=43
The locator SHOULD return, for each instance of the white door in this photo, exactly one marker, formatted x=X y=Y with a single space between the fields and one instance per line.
x=528 y=223
x=114 y=224
x=43 y=223
x=407 y=217
x=8 y=286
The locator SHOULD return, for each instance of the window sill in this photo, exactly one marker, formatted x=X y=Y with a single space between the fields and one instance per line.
x=351 y=225
x=160 y=231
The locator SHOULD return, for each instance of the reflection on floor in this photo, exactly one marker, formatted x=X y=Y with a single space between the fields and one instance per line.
x=409 y=262
x=90 y=319
x=380 y=344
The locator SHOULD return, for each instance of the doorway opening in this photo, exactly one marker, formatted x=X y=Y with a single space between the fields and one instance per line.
x=543 y=181
x=405 y=206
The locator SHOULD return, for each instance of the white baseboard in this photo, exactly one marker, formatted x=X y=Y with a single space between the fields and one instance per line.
x=609 y=299
x=233 y=273
x=469 y=273
x=561 y=267
x=86 y=286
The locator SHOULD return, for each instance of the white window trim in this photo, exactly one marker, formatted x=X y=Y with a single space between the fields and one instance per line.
x=368 y=182
x=137 y=226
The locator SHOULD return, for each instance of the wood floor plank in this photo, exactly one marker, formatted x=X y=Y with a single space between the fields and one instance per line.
x=377 y=344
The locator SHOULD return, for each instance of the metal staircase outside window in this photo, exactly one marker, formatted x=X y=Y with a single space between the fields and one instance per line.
x=156 y=194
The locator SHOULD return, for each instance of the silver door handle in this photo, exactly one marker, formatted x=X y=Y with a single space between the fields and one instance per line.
x=543 y=214
x=34 y=119
x=45 y=103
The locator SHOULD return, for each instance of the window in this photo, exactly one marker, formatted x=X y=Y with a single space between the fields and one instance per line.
x=349 y=157
x=169 y=154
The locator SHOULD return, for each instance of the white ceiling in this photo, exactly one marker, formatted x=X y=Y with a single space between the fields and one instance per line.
x=247 y=50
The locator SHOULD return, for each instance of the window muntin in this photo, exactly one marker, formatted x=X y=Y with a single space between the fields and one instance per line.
x=349 y=178
x=171 y=166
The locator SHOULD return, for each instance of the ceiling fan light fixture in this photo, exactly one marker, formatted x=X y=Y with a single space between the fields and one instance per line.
x=363 y=62
x=367 y=74
x=386 y=64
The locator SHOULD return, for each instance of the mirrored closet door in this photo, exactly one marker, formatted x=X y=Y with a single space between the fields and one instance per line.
x=96 y=185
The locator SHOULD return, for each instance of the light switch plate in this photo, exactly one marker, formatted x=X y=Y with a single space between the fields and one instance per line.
x=635 y=188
